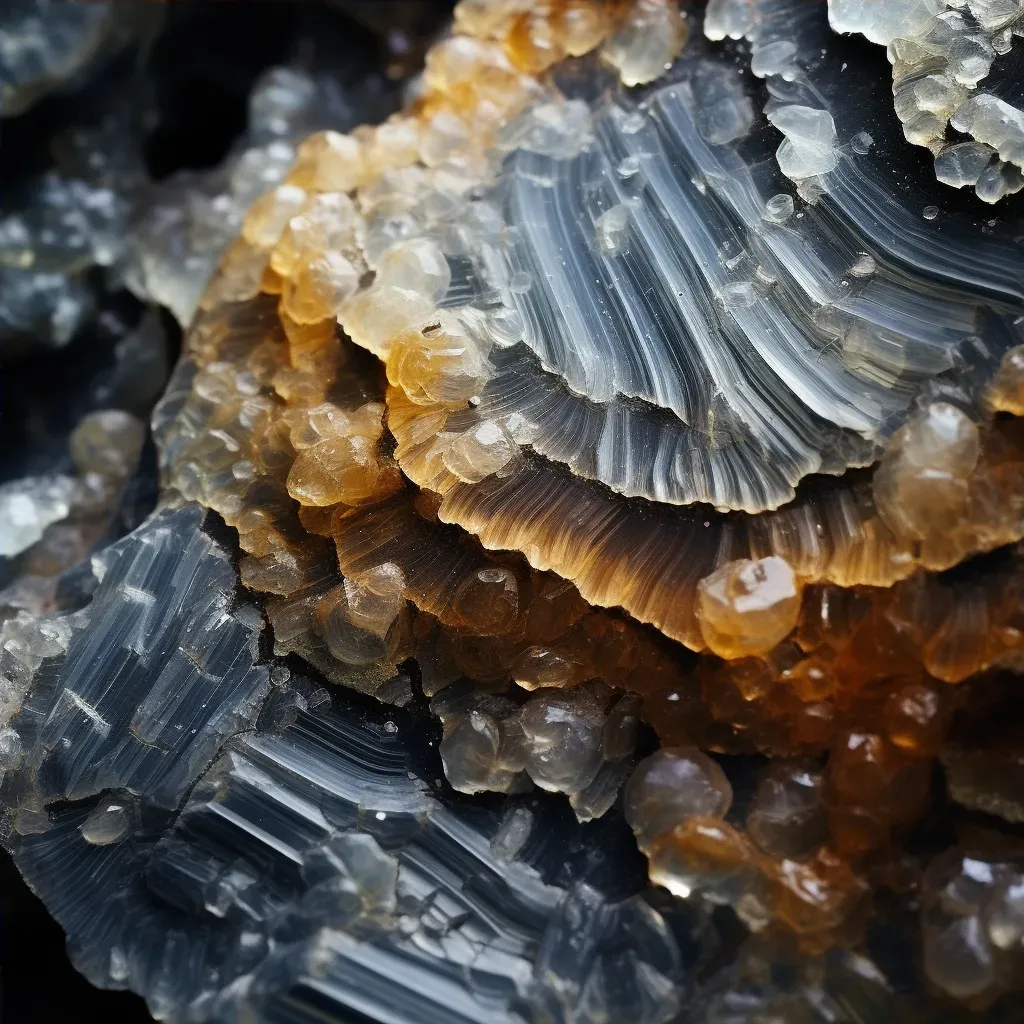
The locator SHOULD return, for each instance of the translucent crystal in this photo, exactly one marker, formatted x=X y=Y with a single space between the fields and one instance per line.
x=672 y=786
x=28 y=506
x=810 y=146
x=646 y=40
x=107 y=443
x=109 y=822
x=786 y=818
x=747 y=607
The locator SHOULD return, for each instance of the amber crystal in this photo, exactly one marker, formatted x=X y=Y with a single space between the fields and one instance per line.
x=707 y=856
x=1006 y=391
x=748 y=607
x=444 y=432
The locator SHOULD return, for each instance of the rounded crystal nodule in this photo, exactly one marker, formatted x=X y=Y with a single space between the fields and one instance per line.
x=671 y=786
x=748 y=607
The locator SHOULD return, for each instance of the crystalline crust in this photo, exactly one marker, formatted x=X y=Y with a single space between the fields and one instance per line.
x=280 y=853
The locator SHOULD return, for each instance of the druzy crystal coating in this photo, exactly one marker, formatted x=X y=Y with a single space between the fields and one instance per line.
x=624 y=401
x=948 y=83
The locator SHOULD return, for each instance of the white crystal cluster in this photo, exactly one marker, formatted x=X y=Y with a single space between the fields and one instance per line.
x=942 y=52
x=25 y=644
x=185 y=223
x=74 y=217
x=44 y=43
x=99 y=208
x=28 y=506
x=49 y=522
x=770 y=54
x=68 y=221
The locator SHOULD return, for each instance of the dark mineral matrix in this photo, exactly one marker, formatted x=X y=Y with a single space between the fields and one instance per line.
x=586 y=584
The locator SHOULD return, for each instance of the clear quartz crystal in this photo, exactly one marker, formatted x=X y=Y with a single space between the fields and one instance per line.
x=778 y=209
x=942 y=52
x=881 y=23
x=29 y=506
x=512 y=834
x=561 y=742
x=811 y=146
x=672 y=785
x=611 y=230
x=107 y=823
x=732 y=18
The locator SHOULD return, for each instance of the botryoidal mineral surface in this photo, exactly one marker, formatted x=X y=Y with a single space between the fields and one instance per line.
x=642 y=402
x=48 y=44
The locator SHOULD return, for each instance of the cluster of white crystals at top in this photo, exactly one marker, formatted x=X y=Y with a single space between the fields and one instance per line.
x=742 y=19
x=941 y=52
x=189 y=219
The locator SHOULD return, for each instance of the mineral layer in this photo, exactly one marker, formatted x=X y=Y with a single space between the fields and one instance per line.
x=636 y=410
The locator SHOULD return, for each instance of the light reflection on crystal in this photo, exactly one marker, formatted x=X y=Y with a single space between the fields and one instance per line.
x=644 y=347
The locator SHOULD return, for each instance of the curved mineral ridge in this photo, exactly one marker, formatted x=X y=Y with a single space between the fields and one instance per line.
x=618 y=342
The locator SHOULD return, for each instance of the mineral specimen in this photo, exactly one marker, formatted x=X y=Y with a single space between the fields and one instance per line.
x=309 y=866
x=634 y=409
x=595 y=312
x=185 y=222
x=943 y=55
x=46 y=43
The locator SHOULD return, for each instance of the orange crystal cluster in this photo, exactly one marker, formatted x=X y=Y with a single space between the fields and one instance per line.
x=326 y=411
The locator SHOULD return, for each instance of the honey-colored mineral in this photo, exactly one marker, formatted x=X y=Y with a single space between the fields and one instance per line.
x=748 y=607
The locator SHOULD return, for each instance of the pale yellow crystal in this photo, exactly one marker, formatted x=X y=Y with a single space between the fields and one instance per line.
x=438 y=364
x=375 y=599
x=328 y=222
x=343 y=470
x=921 y=487
x=269 y=215
x=329 y=162
x=649 y=36
x=375 y=317
x=417 y=265
x=748 y=607
x=478 y=453
x=319 y=288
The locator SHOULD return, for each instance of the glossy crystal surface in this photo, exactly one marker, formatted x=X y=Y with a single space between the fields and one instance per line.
x=631 y=421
